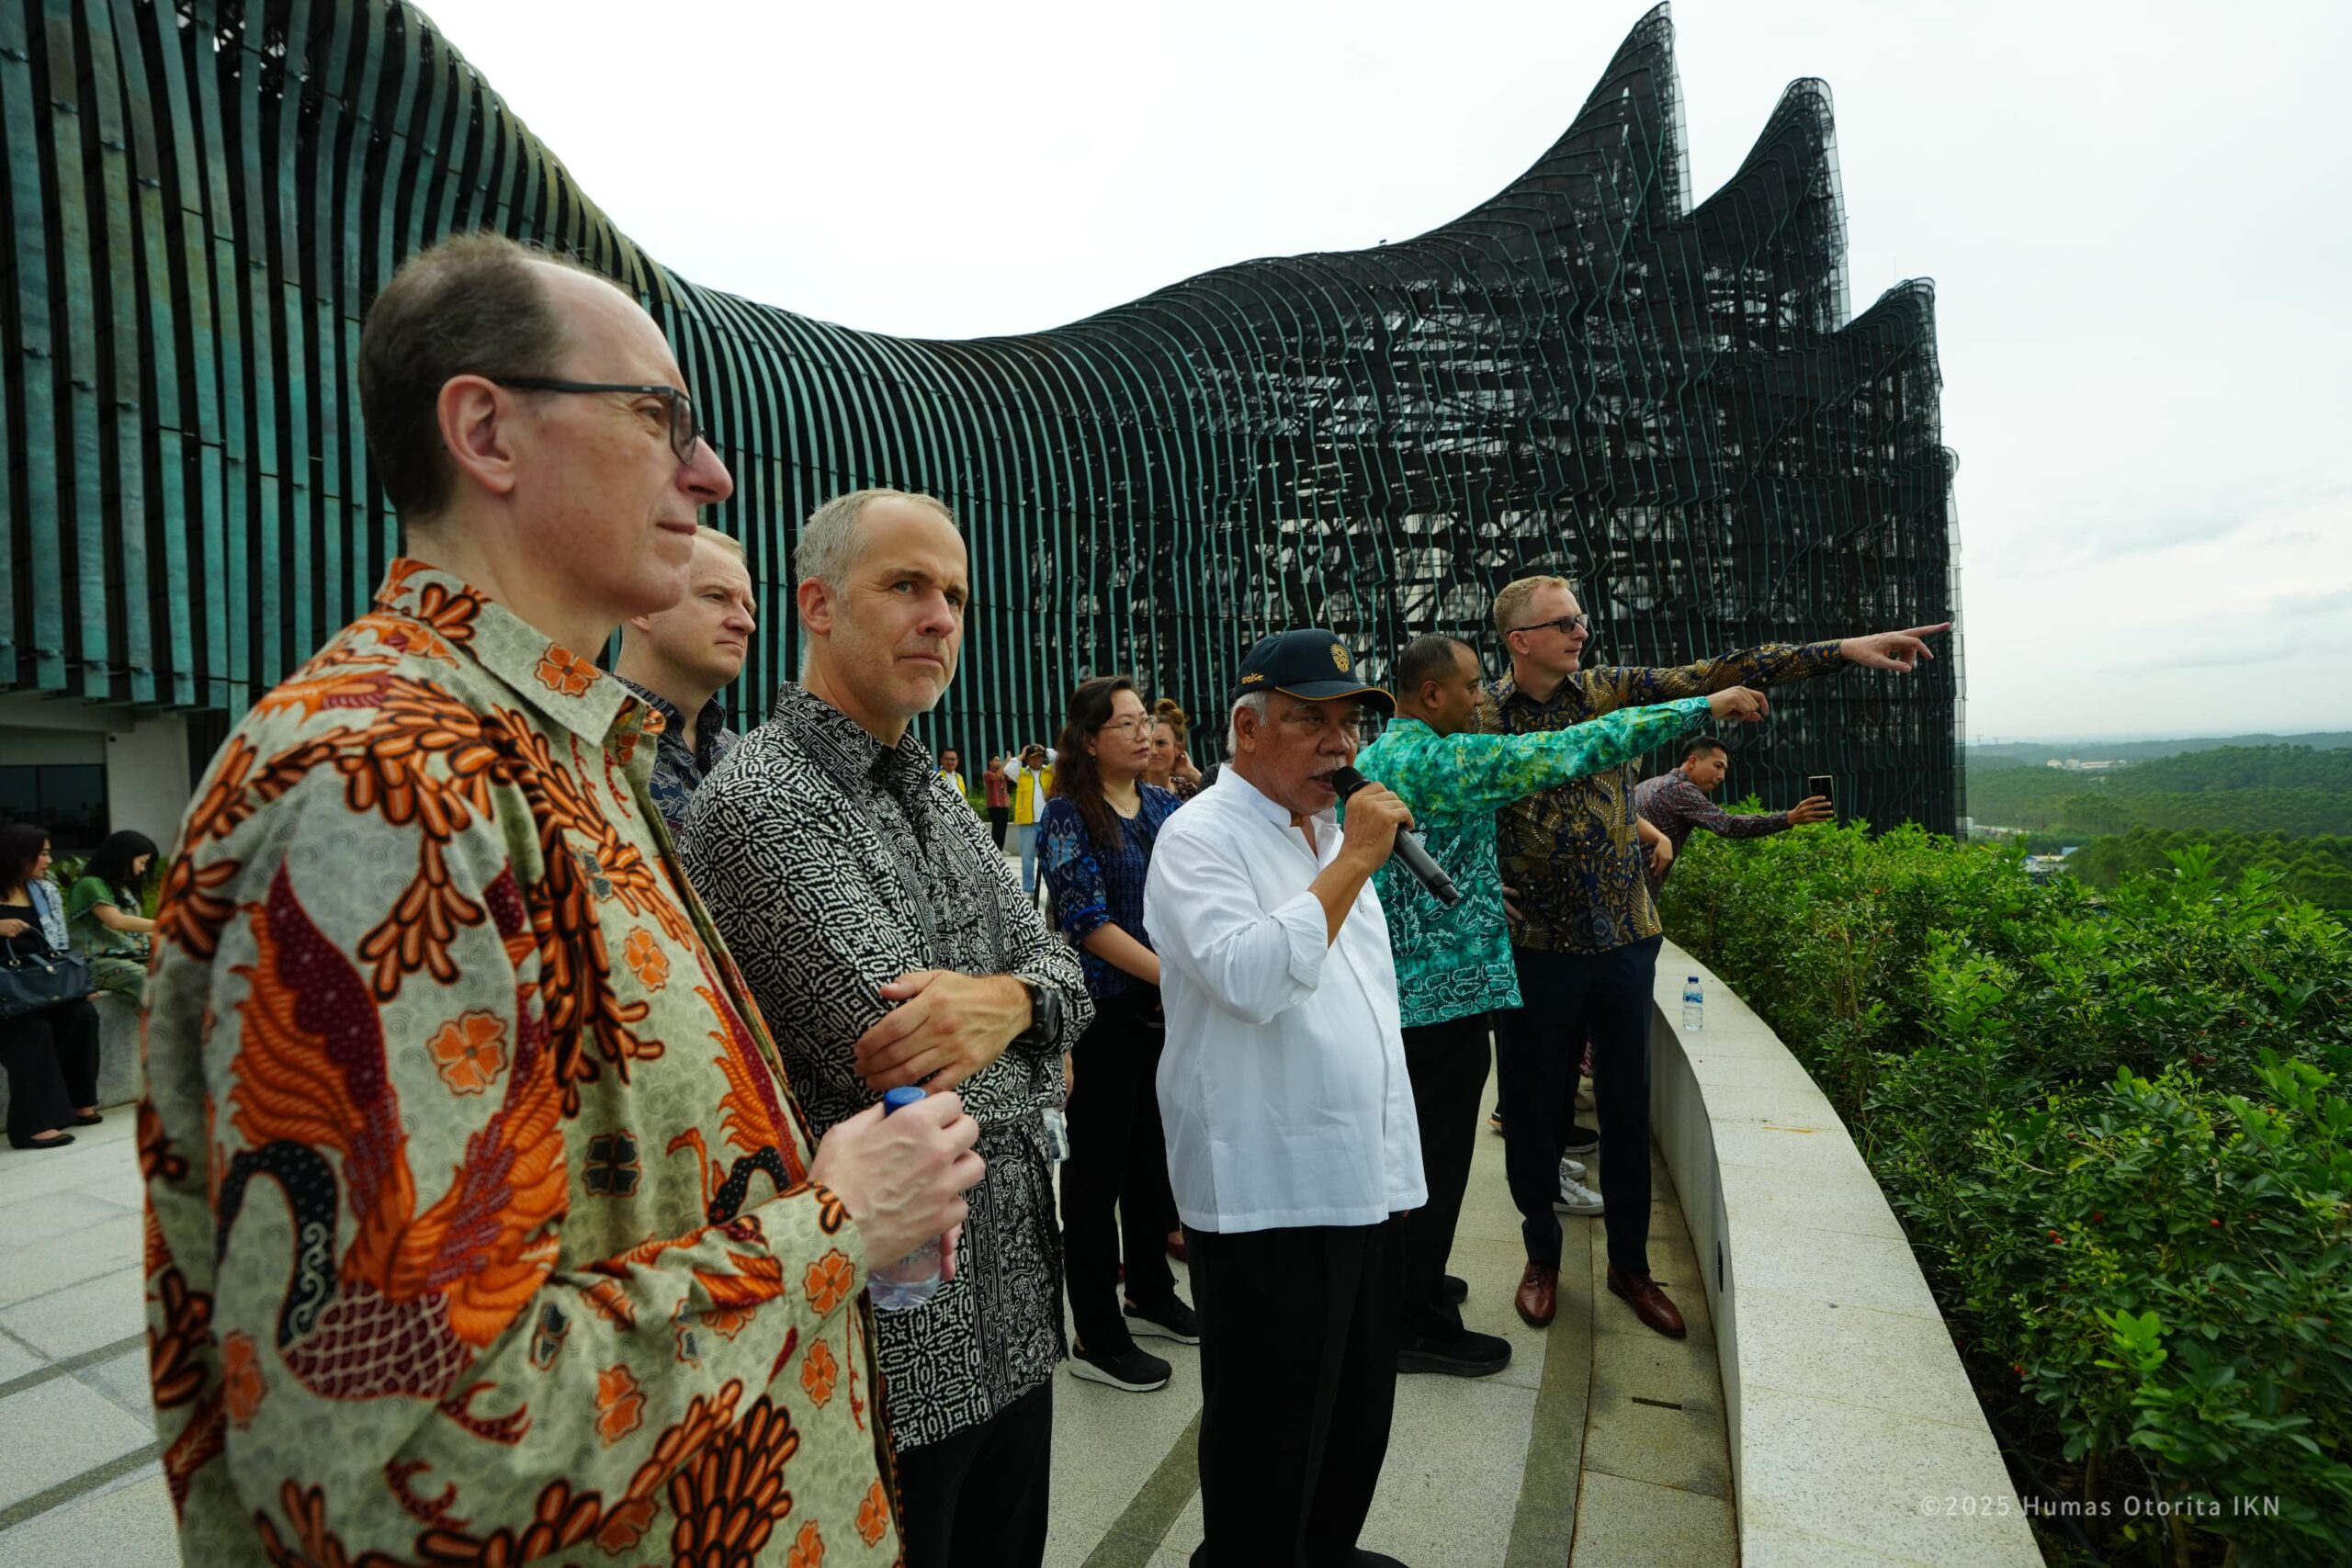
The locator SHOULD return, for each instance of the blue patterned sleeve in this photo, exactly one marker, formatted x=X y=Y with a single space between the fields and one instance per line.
x=1082 y=903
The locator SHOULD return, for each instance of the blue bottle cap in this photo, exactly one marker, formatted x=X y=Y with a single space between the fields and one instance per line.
x=899 y=1099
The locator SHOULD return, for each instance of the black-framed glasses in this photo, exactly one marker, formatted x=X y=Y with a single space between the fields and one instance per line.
x=685 y=428
x=1563 y=626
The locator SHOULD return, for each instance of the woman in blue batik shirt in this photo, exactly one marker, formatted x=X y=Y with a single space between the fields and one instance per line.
x=1096 y=836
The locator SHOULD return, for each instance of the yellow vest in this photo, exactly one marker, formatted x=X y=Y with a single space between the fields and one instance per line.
x=1029 y=798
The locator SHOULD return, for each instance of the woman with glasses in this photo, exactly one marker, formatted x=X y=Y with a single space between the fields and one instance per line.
x=1097 y=834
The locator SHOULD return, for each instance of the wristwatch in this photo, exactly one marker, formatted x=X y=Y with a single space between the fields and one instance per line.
x=1044 y=1015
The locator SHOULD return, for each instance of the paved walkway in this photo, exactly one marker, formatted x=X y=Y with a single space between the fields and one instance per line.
x=1600 y=1444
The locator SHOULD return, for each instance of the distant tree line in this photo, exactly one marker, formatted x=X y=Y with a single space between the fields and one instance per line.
x=2299 y=791
x=2317 y=870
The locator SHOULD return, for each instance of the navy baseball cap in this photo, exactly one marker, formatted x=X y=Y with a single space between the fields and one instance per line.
x=1311 y=664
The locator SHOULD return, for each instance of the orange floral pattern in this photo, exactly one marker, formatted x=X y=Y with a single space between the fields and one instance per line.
x=645 y=960
x=831 y=1280
x=818 y=1370
x=379 y=1079
x=471 y=1050
x=241 y=1380
x=620 y=1405
x=565 y=672
x=874 y=1515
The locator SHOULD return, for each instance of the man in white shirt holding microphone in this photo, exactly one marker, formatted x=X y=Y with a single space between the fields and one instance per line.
x=1292 y=1141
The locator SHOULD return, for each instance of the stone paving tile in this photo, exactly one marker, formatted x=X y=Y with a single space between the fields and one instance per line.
x=1621 y=1521
x=1451 y=1479
x=103 y=1163
x=127 y=1525
x=124 y=1380
x=56 y=1215
x=17 y=1358
x=93 y=1247
x=82 y=1317
x=56 y=1430
x=1657 y=1415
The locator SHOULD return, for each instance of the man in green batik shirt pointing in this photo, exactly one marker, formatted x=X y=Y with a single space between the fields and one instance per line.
x=1453 y=965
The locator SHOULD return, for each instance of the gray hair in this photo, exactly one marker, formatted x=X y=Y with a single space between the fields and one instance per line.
x=828 y=545
x=1248 y=702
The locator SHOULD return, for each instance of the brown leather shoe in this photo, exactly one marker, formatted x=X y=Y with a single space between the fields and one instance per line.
x=1538 y=1295
x=1649 y=1304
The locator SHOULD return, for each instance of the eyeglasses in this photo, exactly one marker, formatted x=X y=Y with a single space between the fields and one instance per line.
x=1125 y=726
x=1313 y=717
x=1563 y=626
x=684 y=429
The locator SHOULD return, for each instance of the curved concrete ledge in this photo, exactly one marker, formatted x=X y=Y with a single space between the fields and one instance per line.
x=1855 y=1437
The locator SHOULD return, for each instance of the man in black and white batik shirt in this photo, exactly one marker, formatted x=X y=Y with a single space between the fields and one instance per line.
x=887 y=942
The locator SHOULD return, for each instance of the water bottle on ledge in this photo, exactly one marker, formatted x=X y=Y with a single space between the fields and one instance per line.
x=1694 y=1006
x=911 y=1280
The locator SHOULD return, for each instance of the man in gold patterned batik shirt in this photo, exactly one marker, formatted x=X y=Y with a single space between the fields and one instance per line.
x=482 y=1224
x=1586 y=951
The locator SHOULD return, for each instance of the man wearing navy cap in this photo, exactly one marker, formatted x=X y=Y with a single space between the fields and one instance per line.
x=1292 y=1140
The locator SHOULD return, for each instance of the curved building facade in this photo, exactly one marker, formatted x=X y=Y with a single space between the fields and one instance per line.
x=1590 y=374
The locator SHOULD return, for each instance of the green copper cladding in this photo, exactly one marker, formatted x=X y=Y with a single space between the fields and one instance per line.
x=1586 y=375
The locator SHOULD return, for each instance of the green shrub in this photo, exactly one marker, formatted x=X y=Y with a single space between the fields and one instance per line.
x=2113 y=1126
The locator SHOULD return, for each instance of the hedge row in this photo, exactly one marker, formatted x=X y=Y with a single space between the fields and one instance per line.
x=2114 y=1124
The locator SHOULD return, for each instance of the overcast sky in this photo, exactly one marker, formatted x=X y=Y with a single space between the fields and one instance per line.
x=2138 y=217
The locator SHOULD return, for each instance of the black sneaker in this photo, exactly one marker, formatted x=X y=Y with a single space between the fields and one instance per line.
x=1580 y=1141
x=1472 y=1356
x=1133 y=1369
x=1170 y=1319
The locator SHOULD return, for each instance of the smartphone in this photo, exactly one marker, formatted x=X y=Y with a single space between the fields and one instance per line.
x=1819 y=783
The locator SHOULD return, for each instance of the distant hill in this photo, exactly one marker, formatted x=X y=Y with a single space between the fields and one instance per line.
x=2297 y=789
x=2035 y=752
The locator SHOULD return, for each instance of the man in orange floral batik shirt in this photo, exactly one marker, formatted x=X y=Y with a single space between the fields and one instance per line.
x=483 y=1226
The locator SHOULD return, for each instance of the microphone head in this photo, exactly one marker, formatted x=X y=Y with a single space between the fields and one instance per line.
x=1347 y=781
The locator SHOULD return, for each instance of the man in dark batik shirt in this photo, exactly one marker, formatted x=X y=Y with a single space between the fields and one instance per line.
x=682 y=659
x=1586 y=947
x=1676 y=804
x=886 y=941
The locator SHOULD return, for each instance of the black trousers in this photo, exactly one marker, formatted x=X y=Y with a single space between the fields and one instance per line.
x=1565 y=998
x=977 y=1498
x=51 y=1059
x=1447 y=1065
x=1298 y=1379
x=1000 y=819
x=1118 y=1161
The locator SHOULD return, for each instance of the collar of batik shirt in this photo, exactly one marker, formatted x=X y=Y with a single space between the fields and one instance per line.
x=668 y=720
x=566 y=687
x=848 y=751
x=1502 y=691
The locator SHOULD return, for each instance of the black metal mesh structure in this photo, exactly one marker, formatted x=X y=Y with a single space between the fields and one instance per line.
x=1586 y=375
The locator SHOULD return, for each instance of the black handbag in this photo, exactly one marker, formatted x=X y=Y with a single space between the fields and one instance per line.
x=33 y=982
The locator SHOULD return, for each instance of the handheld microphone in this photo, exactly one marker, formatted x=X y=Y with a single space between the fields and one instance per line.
x=1409 y=848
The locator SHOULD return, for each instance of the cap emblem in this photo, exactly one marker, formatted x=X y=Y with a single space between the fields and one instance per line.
x=1339 y=657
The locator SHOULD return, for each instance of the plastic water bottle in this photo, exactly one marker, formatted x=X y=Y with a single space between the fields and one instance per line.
x=914 y=1280
x=1694 y=1005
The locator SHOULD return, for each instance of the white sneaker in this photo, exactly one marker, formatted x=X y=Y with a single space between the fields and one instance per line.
x=1571 y=1170
x=1576 y=1198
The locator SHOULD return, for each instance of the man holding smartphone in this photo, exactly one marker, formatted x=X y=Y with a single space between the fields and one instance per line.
x=1676 y=802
